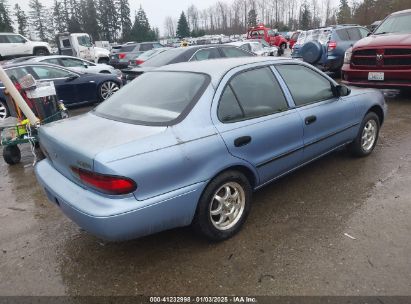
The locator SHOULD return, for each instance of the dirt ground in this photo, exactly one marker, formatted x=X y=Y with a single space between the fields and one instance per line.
x=340 y=226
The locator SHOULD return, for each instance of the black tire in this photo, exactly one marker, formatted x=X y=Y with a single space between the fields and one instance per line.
x=41 y=52
x=311 y=52
x=4 y=110
x=281 y=49
x=11 y=154
x=205 y=223
x=356 y=147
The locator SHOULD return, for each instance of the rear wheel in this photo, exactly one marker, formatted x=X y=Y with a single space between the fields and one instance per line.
x=11 y=154
x=367 y=137
x=104 y=60
x=4 y=111
x=107 y=89
x=224 y=206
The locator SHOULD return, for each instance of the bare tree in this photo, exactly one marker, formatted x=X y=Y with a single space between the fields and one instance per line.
x=170 y=28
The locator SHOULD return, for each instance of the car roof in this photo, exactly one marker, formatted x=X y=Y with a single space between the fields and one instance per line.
x=402 y=12
x=217 y=68
x=8 y=33
x=31 y=63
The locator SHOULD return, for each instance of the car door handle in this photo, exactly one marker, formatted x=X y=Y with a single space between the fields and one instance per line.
x=310 y=119
x=242 y=141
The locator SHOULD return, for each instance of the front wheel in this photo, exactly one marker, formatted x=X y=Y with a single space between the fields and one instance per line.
x=224 y=206
x=4 y=111
x=11 y=154
x=282 y=48
x=367 y=137
x=107 y=89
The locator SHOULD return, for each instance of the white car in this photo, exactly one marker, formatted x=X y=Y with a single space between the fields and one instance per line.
x=74 y=63
x=15 y=45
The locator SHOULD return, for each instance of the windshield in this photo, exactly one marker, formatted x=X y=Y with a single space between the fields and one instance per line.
x=164 y=58
x=395 y=24
x=141 y=101
x=84 y=41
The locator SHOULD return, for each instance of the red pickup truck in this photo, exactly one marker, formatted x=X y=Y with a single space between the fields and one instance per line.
x=269 y=35
x=382 y=60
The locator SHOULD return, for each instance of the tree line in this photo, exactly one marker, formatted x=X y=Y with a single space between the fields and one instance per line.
x=285 y=15
x=103 y=19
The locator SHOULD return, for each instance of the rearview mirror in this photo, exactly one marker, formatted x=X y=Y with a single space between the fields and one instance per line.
x=341 y=90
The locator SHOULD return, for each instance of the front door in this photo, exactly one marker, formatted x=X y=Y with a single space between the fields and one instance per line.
x=257 y=124
x=329 y=121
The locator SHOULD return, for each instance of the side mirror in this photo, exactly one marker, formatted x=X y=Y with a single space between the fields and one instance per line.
x=85 y=65
x=369 y=34
x=341 y=90
x=72 y=77
x=276 y=34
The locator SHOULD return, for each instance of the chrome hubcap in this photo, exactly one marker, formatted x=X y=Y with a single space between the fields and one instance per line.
x=108 y=88
x=227 y=206
x=3 y=111
x=369 y=135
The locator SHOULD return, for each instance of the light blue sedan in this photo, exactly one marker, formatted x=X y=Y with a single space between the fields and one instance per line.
x=187 y=144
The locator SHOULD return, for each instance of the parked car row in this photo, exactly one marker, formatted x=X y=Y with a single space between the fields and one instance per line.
x=378 y=59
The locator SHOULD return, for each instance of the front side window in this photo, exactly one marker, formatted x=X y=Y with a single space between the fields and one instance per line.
x=84 y=41
x=142 y=102
x=206 y=54
x=49 y=72
x=251 y=94
x=306 y=85
x=354 y=34
x=232 y=52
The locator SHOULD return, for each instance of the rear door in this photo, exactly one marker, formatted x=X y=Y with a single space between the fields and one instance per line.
x=328 y=121
x=257 y=124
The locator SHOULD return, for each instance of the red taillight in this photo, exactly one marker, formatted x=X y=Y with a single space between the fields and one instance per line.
x=121 y=55
x=139 y=61
x=108 y=184
x=332 y=45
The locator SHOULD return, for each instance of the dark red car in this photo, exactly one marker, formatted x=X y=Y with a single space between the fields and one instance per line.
x=382 y=60
x=269 y=35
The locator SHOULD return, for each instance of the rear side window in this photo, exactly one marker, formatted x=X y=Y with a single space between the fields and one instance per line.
x=52 y=61
x=343 y=34
x=305 y=85
x=251 y=94
x=146 y=47
x=206 y=54
x=234 y=52
x=128 y=48
x=354 y=34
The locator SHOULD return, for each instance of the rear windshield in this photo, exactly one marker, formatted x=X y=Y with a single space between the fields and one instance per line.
x=141 y=102
x=164 y=58
x=395 y=24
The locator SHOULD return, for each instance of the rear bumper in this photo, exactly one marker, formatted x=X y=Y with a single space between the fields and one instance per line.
x=113 y=218
x=393 y=79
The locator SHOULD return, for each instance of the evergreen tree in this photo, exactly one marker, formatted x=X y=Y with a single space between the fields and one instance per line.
x=141 y=30
x=89 y=19
x=38 y=18
x=59 y=17
x=183 y=30
x=74 y=25
x=305 y=17
x=252 y=18
x=344 y=12
x=21 y=20
x=108 y=19
x=124 y=19
x=5 y=20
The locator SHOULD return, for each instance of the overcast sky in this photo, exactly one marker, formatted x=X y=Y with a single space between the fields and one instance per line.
x=156 y=10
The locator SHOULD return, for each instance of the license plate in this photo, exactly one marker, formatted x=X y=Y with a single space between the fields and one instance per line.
x=379 y=76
